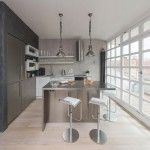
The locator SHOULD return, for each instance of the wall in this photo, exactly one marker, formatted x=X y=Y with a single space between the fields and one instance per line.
x=89 y=63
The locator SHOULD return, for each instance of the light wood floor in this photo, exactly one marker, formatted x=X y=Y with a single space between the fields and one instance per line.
x=25 y=133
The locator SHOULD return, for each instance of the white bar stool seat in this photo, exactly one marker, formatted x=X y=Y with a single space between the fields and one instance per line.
x=70 y=135
x=97 y=101
x=70 y=101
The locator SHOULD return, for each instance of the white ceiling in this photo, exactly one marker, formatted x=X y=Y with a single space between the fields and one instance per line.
x=109 y=16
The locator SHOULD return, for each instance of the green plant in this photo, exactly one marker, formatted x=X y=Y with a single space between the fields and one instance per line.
x=87 y=71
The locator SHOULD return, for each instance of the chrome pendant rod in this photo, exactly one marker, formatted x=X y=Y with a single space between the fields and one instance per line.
x=90 y=49
x=90 y=25
x=61 y=45
x=60 y=51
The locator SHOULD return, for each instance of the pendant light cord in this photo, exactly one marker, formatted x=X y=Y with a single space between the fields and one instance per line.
x=90 y=26
x=90 y=49
x=90 y=31
x=61 y=44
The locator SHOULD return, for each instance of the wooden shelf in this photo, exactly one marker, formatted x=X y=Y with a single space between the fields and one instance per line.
x=57 y=57
x=55 y=63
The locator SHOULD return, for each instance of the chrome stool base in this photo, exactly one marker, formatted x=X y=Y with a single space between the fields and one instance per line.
x=71 y=138
x=98 y=137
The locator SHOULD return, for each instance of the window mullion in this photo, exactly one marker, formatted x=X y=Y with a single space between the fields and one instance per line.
x=140 y=69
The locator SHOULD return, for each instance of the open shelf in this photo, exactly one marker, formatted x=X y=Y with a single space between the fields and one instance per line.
x=55 y=63
x=56 y=60
x=57 y=57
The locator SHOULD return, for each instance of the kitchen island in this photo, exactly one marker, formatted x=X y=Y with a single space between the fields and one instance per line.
x=54 y=111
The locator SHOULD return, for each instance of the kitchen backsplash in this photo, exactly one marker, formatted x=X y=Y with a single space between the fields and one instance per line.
x=90 y=63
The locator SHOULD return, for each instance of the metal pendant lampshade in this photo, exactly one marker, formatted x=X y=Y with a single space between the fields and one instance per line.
x=90 y=49
x=60 y=52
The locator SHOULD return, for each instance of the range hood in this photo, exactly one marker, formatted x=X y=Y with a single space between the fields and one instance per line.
x=79 y=51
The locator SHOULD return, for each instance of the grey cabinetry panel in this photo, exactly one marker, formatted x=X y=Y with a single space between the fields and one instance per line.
x=13 y=59
x=33 y=89
x=14 y=34
x=28 y=91
x=22 y=75
x=14 y=103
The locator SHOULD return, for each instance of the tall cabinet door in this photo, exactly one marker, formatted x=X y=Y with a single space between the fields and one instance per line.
x=14 y=102
x=28 y=90
x=13 y=59
x=15 y=48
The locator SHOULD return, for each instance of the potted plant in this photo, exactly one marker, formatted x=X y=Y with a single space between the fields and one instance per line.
x=87 y=72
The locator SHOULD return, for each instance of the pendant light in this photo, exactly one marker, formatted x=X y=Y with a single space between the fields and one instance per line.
x=90 y=49
x=60 y=51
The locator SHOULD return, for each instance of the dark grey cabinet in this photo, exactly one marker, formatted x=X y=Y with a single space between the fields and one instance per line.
x=15 y=58
x=14 y=102
x=28 y=91
x=102 y=67
x=14 y=35
x=15 y=48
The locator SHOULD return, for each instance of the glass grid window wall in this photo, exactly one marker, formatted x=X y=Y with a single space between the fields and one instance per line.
x=128 y=67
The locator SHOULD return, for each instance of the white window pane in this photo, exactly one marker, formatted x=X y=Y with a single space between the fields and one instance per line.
x=108 y=54
x=113 y=53
x=118 y=51
x=118 y=93
x=112 y=79
x=146 y=76
x=113 y=71
x=146 y=59
x=108 y=45
x=146 y=92
x=146 y=108
x=135 y=47
x=112 y=43
x=134 y=60
x=118 y=72
x=146 y=43
x=125 y=61
x=134 y=32
x=118 y=81
x=125 y=73
x=134 y=88
x=108 y=79
x=134 y=74
x=125 y=85
x=134 y=102
x=108 y=62
x=125 y=49
x=118 y=40
x=112 y=62
x=108 y=71
x=125 y=97
x=147 y=25
x=125 y=36
x=118 y=61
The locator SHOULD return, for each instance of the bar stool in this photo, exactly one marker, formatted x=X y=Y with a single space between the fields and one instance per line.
x=109 y=116
x=70 y=135
x=97 y=135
